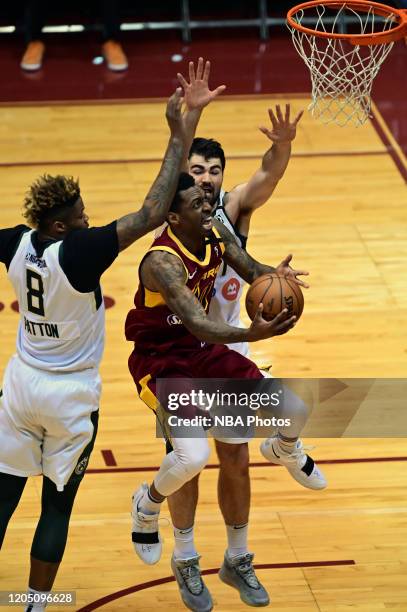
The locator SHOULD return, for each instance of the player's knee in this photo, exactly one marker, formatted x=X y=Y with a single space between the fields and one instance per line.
x=61 y=502
x=198 y=463
x=234 y=458
x=194 y=462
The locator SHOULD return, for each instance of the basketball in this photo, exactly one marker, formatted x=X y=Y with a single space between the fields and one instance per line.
x=275 y=293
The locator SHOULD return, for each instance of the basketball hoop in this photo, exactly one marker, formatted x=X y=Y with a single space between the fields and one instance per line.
x=343 y=65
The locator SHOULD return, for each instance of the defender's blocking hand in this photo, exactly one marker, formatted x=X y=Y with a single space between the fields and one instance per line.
x=283 y=130
x=284 y=269
x=197 y=93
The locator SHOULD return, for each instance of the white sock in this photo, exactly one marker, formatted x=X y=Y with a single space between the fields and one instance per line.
x=148 y=505
x=286 y=445
x=237 y=539
x=37 y=606
x=184 y=543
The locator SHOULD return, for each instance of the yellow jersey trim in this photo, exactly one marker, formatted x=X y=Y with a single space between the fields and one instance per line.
x=168 y=249
x=187 y=253
x=222 y=246
x=154 y=298
x=151 y=401
x=146 y=395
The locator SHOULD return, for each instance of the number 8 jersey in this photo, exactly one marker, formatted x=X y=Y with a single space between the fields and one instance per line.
x=60 y=329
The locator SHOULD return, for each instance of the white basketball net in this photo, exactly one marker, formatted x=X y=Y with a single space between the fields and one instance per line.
x=341 y=74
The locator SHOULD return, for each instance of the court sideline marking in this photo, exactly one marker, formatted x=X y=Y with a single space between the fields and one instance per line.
x=215 y=466
x=152 y=583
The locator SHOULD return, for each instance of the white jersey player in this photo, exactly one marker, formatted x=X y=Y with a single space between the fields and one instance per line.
x=225 y=304
x=54 y=334
x=51 y=386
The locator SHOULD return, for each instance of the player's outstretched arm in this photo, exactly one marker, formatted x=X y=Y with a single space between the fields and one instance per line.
x=158 y=200
x=237 y=258
x=247 y=267
x=259 y=188
x=164 y=272
x=197 y=95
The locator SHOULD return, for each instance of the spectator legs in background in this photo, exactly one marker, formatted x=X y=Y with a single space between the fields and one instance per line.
x=112 y=50
x=33 y=22
x=34 y=19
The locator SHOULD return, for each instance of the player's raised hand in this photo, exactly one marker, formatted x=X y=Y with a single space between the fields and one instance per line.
x=173 y=113
x=197 y=94
x=284 y=269
x=260 y=329
x=283 y=130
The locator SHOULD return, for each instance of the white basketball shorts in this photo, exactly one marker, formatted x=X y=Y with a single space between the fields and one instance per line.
x=45 y=420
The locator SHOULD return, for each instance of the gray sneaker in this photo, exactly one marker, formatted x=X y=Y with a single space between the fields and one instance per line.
x=238 y=572
x=193 y=591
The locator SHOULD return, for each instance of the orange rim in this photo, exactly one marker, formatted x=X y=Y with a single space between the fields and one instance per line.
x=376 y=38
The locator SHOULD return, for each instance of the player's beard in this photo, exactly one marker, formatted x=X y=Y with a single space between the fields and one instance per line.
x=212 y=197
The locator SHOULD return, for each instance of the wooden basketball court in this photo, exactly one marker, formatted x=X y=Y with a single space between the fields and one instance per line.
x=341 y=210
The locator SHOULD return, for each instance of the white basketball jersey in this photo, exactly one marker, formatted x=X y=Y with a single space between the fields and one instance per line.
x=60 y=328
x=225 y=304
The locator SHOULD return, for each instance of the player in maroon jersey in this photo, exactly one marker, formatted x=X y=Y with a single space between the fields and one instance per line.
x=206 y=165
x=173 y=337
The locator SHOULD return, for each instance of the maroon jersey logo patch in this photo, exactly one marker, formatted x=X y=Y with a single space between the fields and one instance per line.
x=174 y=319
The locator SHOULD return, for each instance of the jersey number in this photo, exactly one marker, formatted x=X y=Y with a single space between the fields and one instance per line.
x=35 y=293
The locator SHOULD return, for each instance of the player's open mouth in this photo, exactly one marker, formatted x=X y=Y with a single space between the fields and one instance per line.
x=207 y=223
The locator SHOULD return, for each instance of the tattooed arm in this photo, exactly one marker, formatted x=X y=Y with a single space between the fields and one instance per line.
x=247 y=267
x=237 y=258
x=164 y=273
x=158 y=200
x=253 y=194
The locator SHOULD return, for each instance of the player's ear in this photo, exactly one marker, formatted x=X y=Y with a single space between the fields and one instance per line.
x=173 y=218
x=59 y=227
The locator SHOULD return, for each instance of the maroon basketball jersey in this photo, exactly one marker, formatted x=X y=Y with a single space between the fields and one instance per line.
x=151 y=325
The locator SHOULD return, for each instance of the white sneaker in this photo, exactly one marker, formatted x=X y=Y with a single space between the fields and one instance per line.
x=146 y=538
x=300 y=465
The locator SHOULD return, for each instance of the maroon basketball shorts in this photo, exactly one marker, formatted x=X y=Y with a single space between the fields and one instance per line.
x=210 y=361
